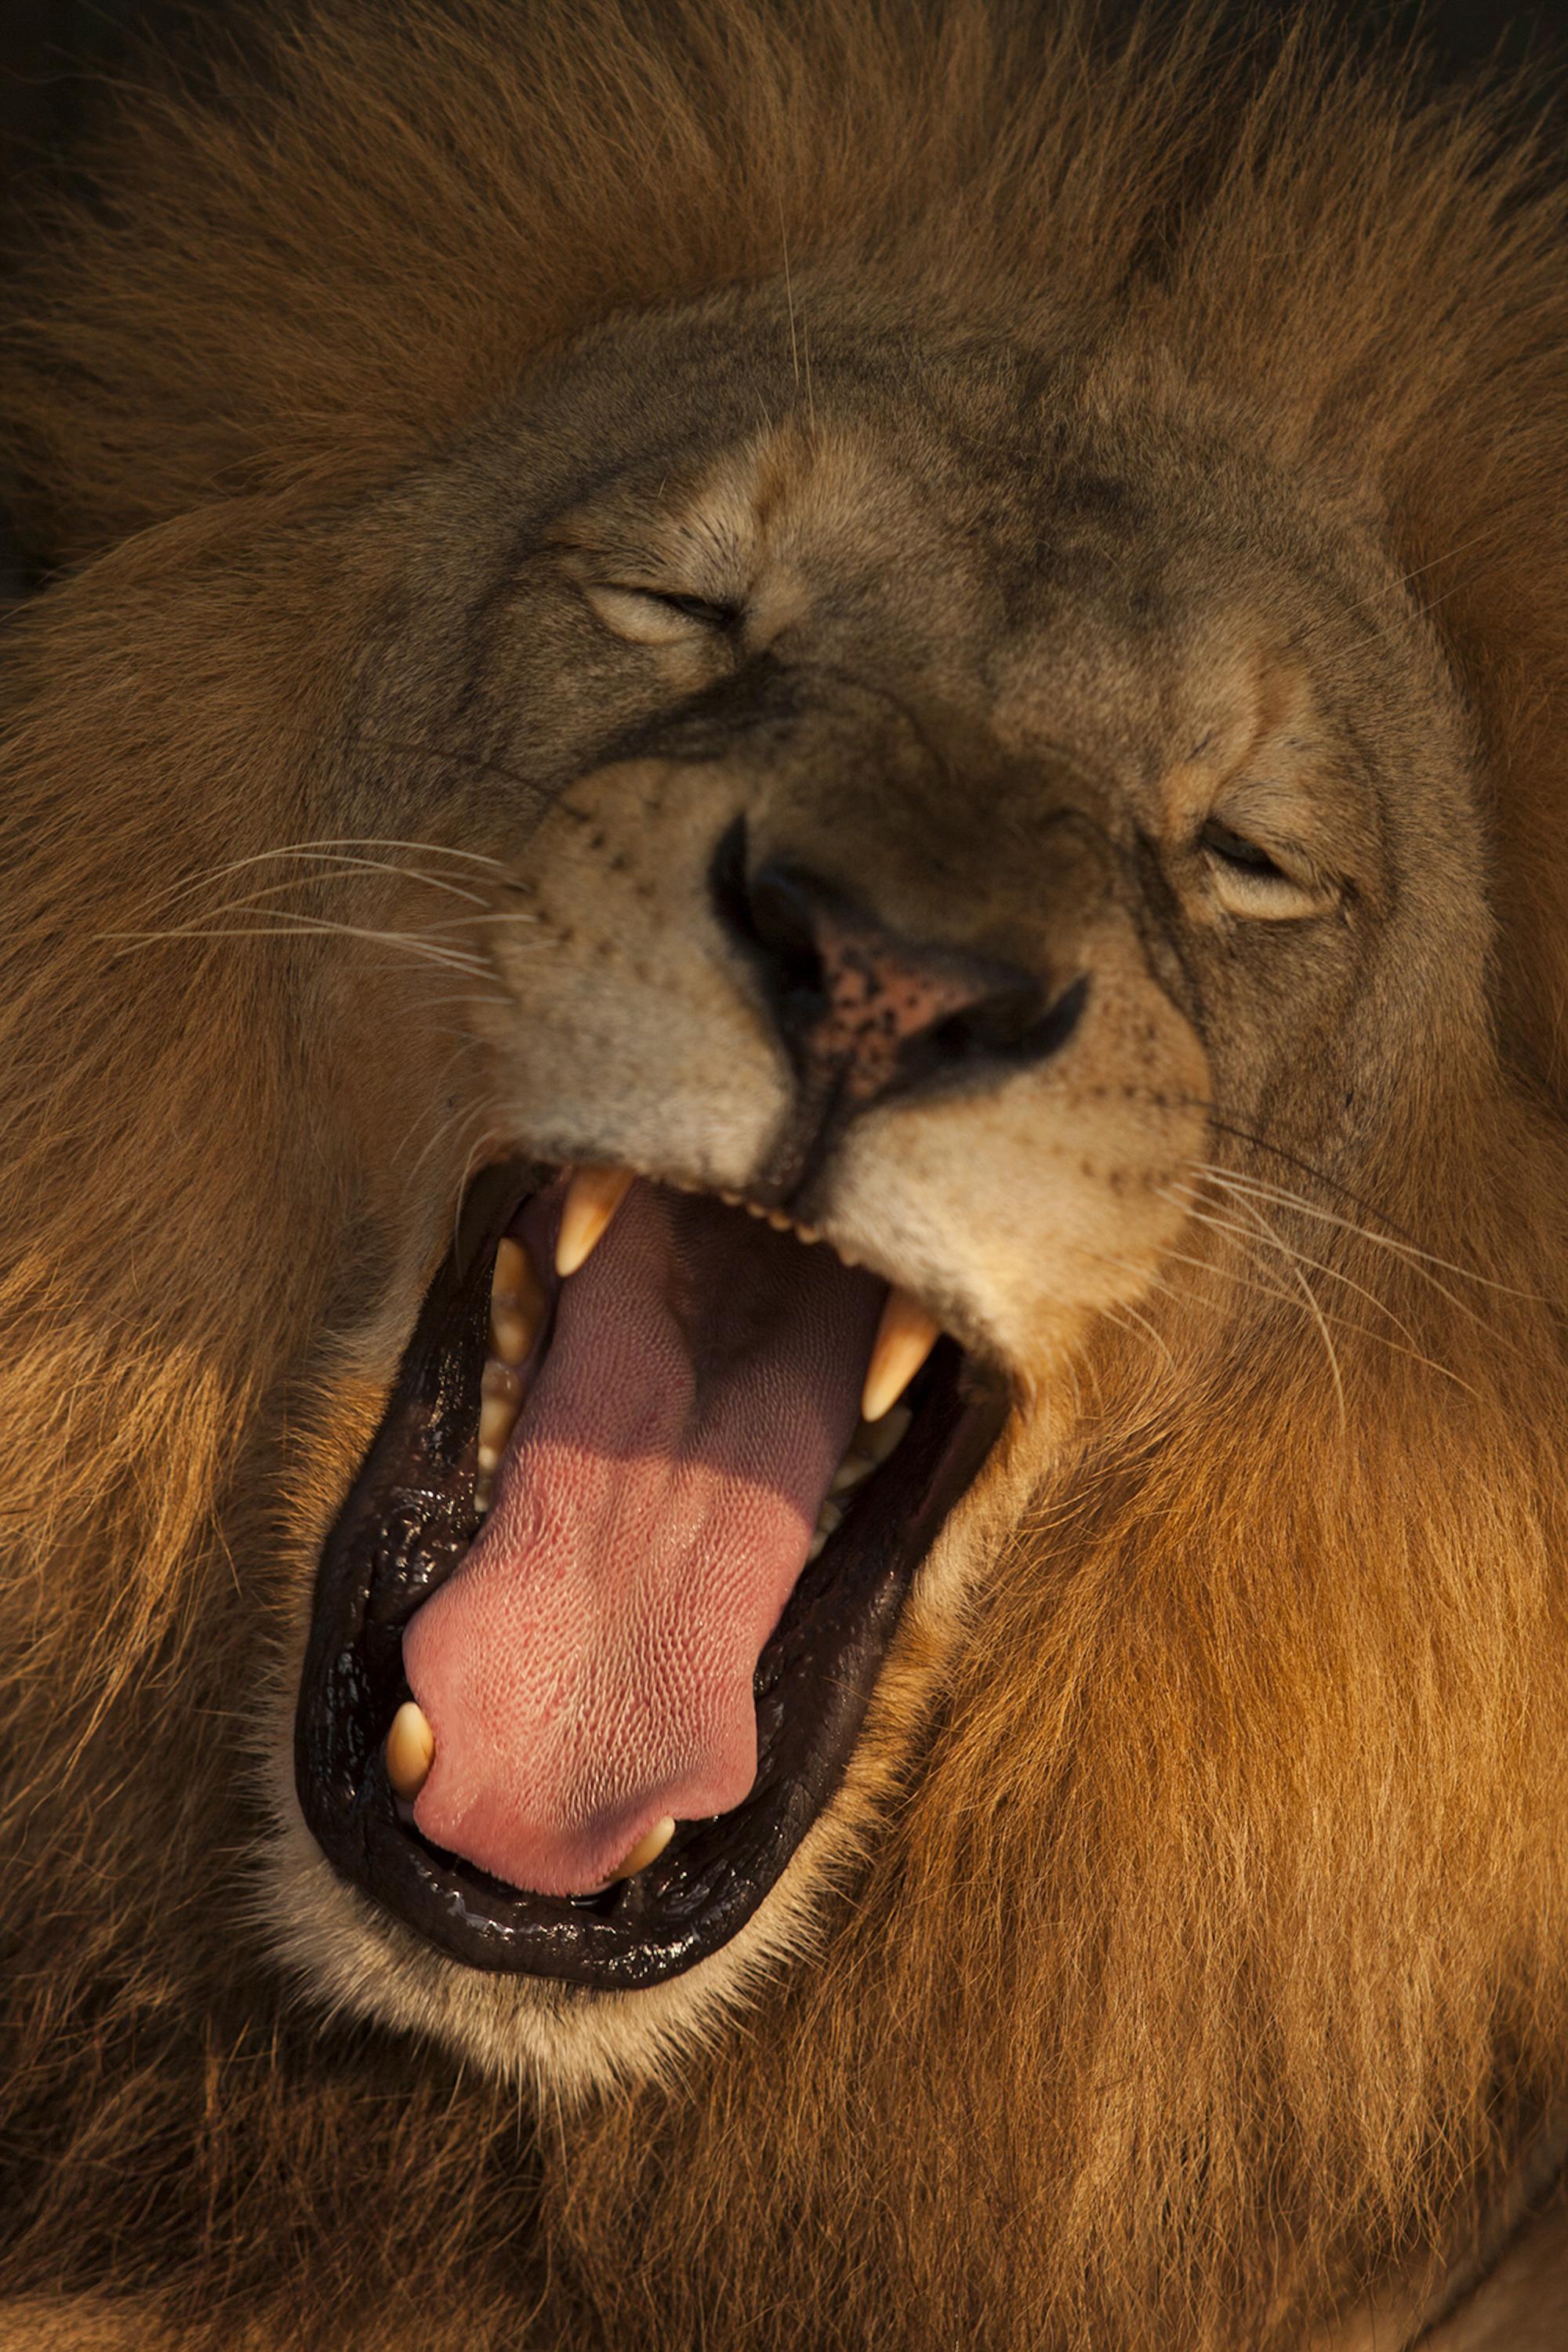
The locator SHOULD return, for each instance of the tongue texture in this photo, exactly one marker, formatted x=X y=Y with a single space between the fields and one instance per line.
x=587 y=1669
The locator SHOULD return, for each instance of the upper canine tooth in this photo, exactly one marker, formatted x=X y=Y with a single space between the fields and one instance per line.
x=518 y=1303
x=592 y=1196
x=648 y=1849
x=905 y=1338
x=410 y=1750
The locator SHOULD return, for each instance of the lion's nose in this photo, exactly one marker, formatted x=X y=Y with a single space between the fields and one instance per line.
x=865 y=1011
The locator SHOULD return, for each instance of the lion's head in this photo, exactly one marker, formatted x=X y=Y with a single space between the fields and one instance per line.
x=786 y=1158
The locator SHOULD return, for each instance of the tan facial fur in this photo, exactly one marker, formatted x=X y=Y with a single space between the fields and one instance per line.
x=1183 y=1950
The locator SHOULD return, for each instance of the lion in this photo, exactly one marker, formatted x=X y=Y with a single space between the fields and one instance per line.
x=786 y=1194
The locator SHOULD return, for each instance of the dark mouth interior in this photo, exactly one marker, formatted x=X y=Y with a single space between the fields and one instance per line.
x=404 y=1528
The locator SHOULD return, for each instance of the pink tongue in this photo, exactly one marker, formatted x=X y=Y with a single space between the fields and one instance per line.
x=587 y=1669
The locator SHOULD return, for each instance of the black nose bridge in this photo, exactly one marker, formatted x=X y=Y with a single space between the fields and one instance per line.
x=866 y=1011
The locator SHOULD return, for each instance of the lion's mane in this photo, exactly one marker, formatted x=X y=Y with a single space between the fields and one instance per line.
x=1215 y=1961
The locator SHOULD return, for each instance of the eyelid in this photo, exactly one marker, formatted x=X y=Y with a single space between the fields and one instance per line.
x=1273 y=893
x=655 y=616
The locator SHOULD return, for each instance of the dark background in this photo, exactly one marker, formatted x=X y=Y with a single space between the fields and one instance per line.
x=56 y=56
x=52 y=51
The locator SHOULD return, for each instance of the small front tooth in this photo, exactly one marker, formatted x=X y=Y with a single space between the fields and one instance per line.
x=809 y=1232
x=497 y=1418
x=592 y=1196
x=497 y=1381
x=410 y=1750
x=518 y=1304
x=905 y=1338
x=484 y=1491
x=754 y=1208
x=879 y=1439
x=829 y=1519
x=852 y=1472
x=815 y=1546
x=779 y=1222
x=648 y=1849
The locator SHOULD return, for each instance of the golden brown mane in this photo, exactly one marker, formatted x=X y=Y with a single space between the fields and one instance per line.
x=1240 y=1842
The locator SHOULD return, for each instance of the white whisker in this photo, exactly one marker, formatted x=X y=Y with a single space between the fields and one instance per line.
x=334 y=849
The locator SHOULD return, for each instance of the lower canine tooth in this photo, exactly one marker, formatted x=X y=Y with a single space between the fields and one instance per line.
x=905 y=1338
x=647 y=1848
x=592 y=1196
x=410 y=1750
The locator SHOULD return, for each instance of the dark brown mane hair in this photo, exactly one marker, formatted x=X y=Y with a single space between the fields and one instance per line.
x=1217 y=1955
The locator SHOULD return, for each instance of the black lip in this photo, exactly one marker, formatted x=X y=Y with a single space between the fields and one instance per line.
x=402 y=1531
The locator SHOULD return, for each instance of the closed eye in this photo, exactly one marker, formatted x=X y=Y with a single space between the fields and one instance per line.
x=658 y=616
x=1249 y=880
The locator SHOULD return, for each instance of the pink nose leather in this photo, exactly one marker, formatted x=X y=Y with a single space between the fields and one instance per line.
x=882 y=995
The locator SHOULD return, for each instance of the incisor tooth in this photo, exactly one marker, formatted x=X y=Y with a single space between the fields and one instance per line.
x=905 y=1338
x=648 y=1849
x=852 y=1472
x=410 y=1750
x=497 y=1418
x=497 y=1381
x=518 y=1303
x=879 y=1439
x=592 y=1196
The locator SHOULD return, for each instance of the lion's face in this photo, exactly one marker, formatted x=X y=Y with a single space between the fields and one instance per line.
x=930 y=790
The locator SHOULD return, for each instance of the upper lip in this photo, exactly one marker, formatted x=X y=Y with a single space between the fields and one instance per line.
x=404 y=1528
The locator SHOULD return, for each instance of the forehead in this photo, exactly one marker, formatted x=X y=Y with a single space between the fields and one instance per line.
x=1016 y=517
x=852 y=428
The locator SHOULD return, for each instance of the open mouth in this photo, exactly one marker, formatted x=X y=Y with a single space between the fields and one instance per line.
x=596 y=1628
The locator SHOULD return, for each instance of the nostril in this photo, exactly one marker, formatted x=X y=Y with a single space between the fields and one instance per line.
x=774 y=915
x=1050 y=1033
x=993 y=1025
x=1009 y=1025
x=784 y=915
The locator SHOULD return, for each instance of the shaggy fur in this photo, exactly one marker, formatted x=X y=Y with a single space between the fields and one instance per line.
x=1210 y=1965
